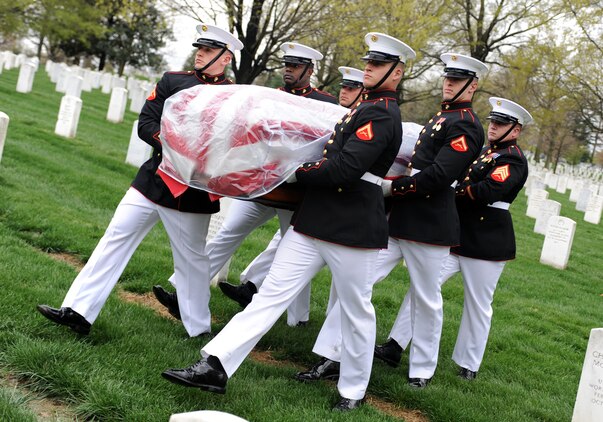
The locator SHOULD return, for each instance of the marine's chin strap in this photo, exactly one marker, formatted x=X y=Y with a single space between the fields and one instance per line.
x=212 y=61
x=505 y=134
x=355 y=99
x=458 y=94
x=389 y=72
x=301 y=75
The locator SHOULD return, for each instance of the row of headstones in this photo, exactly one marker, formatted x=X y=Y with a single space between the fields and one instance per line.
x=559 y=231
x=71 y=81
x=591 y=172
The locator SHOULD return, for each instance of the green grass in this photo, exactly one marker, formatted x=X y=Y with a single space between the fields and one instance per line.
x=58 y=195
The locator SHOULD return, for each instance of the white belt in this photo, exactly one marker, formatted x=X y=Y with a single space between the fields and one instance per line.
x=415 y=171
x=371 y=178
x=500 y=205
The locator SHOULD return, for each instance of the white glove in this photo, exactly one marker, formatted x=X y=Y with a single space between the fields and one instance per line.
x=291 y=179
x=386 y=186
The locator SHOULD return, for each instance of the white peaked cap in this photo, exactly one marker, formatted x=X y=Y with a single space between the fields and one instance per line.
x=506 y=111
x=351 y=74
x=460 y=66
x=383 y=47
x=212 y=36
x=302 y=53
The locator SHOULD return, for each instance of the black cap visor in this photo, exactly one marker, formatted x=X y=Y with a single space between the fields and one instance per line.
x=502 y=118
x=453 y=72
x=378 y=56
x=296 y=60
x=351 y=84
x=204 y=42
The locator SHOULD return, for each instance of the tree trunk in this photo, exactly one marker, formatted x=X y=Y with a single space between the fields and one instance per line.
x=102 y=61
x=40 y=45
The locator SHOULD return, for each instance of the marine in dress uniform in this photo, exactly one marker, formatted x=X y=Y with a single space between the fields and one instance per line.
x=483 y=198
x=245 y=216
x=185 y=218
x=257 y=270
x=341 y=223
x=423 y=222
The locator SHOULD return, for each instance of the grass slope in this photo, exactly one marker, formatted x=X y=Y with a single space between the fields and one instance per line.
x=58 y=195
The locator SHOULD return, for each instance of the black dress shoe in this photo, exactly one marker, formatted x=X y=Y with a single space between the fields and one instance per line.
x=302 y=324
x=467 y=374
x=242 y=293
x=325 y=369
x=66 y=316
x=206 y=374
x=390 y=352
x=343 y=405
x=418 y=383
x=167 y=299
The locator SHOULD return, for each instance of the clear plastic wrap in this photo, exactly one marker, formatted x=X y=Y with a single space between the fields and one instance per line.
x=241 y=140
x=410 y=135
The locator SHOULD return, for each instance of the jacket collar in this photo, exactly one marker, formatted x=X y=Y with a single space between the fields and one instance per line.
x=446 y=106
x=211 y=79
x=375 y=95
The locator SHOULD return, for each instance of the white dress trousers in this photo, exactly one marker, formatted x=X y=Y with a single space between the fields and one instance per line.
x=480 y=278
x=424 y=264
x=243 y=217
x=297 y=260
x=257 y=270
x=328 y=342
x=133 y=219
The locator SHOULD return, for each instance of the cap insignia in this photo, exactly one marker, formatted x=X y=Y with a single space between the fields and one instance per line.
x=453 y=58
x=499 y=103
x=374 y=38
x=347 y=71
x=291 y=46
x=203 y=28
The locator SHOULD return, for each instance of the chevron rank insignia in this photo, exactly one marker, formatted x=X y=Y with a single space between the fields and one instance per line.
x=500 y=174
x=365 y=133
x=459 y=144
x=153 y=94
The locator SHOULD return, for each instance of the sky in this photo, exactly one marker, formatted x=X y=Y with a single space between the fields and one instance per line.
x=176 y=52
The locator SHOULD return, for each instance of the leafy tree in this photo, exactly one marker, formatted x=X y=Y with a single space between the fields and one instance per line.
x=261 y=25
x=12 y=19
x=485 y=27
x=134 y=32
x=54 y=21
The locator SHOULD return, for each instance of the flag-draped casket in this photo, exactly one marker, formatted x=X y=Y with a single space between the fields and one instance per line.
x=243 y=140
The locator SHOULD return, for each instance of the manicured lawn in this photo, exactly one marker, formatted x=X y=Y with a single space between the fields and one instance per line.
x=58 y=196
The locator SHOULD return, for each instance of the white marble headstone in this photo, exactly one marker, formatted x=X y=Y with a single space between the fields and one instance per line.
x=117 y=105
x=537 y=196
x=106 y=83
x=558 y=242
x=4 y=120
x=138 y=150
x=589 y=400
x=26 y=78
x=69 y=116
x=576 y=188
x=593 y=209
x=73 y=85
x=583 y=196
x=547 y=210
x=205 y=416
x=561 y=184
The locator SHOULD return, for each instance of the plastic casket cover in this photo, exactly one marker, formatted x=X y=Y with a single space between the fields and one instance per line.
x=241 y=140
